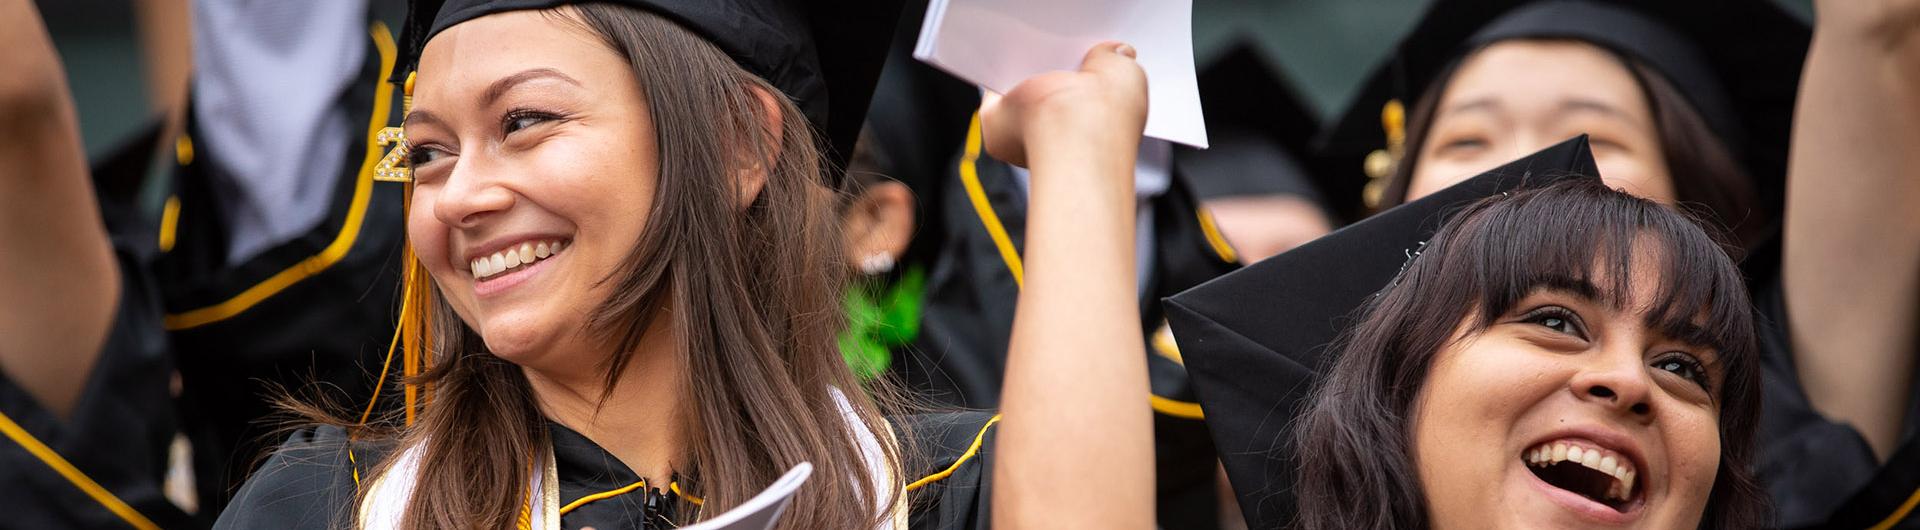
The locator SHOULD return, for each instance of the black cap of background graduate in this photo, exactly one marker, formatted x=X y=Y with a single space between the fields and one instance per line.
x=1255 y=339
x=1263 y=133
x=1737 y=62
x=825 y=55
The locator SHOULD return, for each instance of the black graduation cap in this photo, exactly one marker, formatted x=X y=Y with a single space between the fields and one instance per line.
x=823 y=55
x=1254 y=339
x=1736 y=61
x=1263 y=133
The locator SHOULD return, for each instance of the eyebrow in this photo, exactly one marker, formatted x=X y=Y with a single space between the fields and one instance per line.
x=1484 y=104
x=1573 y=105
x=417 y=117
x=494 y=91
x=500 y=87
x=1566 y=106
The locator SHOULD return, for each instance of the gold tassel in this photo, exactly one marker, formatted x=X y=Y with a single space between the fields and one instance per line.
x=413 y=329
x=1380 y=163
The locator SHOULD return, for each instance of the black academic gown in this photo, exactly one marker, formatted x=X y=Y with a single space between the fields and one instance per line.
x=325 y=329
x=960 y=354
x=1821 y=473
x=309 y=482
x=118 y=434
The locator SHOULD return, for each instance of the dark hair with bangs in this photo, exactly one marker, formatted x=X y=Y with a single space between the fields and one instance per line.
x=1354 y=441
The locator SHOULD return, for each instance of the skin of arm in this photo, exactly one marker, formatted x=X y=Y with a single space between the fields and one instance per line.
x=1852 y=264
x=1075 y=448
x=58 y=280
x=166 y=45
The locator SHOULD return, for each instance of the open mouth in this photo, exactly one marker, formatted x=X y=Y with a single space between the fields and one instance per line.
x=1601 y=475
x=514 y=257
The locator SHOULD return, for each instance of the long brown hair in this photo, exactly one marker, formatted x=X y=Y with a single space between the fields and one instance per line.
x=1481 y=263
x=753 y=295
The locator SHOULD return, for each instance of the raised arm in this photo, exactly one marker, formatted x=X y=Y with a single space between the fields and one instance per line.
x=58 y=280
x=1075 y=447
x=1852 y=265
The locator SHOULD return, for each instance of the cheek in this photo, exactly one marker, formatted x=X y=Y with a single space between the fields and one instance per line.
x=425 y=233
x=1693 y=442
x=1471 y=399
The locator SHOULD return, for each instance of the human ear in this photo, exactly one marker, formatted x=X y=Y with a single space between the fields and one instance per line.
x=878 y=225
x=753 y=172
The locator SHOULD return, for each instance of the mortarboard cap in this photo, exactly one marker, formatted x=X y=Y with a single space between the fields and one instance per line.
x=1737 y=62
x=825 y=56
x=1254 y=339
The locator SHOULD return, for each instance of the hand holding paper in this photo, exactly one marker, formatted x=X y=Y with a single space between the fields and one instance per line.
x=1101 y=106
x=998 y=43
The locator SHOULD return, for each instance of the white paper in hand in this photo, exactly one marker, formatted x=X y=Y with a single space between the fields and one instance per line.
x=761 y=511
x=998 y=43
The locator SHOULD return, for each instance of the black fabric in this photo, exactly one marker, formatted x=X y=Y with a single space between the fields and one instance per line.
x=308 y=483
x=824 y=55
x=1737 y=61
x=918 y=120
x=1819 y=472
x=1255 y=338
x=938 y=443
x=326 y=334
x=117 y=434
x=586 y=469
x=959 y=357
x=960 y=354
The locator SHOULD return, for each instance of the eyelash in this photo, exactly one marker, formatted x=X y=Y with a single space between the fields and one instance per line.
x=1542 y=315
x=1690 y=363
x=506 y=122
x=1572 y=321
x=416 y=153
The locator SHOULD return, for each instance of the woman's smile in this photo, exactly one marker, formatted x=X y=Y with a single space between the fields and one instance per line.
x=1593 y=473
x=511 y=265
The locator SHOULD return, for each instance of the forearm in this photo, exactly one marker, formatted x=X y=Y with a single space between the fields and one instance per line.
x=1852 y=263
x=1076 y=446
x=57 y=274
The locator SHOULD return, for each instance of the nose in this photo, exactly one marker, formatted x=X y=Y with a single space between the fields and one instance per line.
x=470 y=194
x=1618 y=382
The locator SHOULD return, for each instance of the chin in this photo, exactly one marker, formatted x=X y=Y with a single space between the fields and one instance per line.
x=516 y=341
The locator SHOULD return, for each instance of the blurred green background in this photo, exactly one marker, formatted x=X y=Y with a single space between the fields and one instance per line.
x=1323 y=46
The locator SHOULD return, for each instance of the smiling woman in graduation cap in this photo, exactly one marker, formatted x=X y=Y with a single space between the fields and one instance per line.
x=1698 y=104
x=1527 y=349
x=625 y=273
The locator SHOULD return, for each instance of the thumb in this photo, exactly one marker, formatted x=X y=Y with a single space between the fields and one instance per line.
x=1108 y=56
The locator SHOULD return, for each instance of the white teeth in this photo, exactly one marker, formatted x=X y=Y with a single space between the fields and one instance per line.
x=512 y=258
x=1596 y=459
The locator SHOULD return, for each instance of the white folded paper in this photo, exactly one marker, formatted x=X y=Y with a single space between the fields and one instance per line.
x=763 y=510
x=998 y=43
